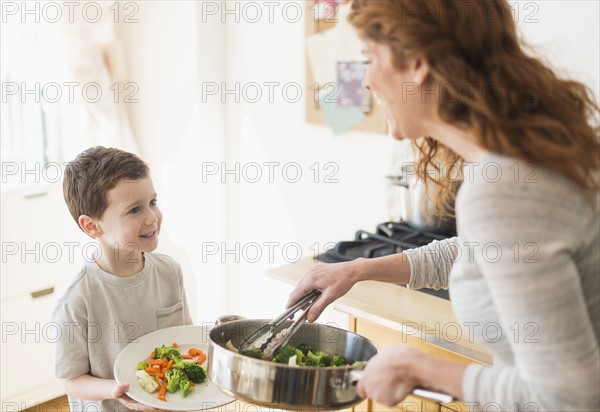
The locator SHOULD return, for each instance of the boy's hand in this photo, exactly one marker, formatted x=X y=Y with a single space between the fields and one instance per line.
x=118 y=393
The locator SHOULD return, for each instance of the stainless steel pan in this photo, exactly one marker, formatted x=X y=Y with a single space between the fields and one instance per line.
x=281 y=386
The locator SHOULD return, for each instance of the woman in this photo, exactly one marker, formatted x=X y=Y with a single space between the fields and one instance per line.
x=526 y=256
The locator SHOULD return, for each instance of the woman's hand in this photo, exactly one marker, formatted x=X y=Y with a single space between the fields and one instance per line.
x=333 y=280
x=118 y=393
x=390 y=376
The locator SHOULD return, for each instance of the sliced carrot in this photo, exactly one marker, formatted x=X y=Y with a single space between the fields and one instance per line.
x=175 y=345
x=162 y=392
x=187 y=356
x=201 y=359
x=192 y=383
x=195 y=352
x=167 y=366
x=152 y=354
x=159 y=362
x=152 y=371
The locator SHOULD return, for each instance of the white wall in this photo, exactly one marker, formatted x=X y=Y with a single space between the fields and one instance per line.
x=566 y=33
x=178 y=132
x=177 y=48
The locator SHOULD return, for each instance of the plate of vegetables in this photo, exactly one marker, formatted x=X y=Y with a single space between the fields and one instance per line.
x=166 y=369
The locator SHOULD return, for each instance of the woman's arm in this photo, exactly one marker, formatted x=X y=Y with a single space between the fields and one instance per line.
x=427 y=266
x=335 y=280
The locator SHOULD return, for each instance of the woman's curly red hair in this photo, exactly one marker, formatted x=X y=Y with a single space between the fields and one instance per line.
x=511 y=102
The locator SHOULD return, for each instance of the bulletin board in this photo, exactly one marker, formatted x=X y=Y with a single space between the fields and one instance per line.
x=374 y=121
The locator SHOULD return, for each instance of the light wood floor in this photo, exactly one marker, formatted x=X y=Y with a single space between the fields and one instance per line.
x=62 y=405
x=55 y=405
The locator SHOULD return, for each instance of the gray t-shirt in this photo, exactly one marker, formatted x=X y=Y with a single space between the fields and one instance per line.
x=99 y=314
x=524 y=279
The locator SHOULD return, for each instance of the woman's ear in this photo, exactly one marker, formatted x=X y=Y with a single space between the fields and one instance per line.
x=89 y=226
x=421 y=71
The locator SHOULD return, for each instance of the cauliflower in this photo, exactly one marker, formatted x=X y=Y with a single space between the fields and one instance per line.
x=230 y=346
x=293 y=361
x=146 y=381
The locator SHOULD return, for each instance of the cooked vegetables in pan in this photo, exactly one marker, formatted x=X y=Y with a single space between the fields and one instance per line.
x=301 y=355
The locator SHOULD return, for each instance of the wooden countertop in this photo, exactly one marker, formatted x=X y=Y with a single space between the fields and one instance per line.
x=409 y=311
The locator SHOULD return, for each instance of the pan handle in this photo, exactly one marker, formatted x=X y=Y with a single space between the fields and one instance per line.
x=438 y=397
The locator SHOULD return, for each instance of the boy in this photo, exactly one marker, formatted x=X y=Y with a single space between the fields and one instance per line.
x=125 y=291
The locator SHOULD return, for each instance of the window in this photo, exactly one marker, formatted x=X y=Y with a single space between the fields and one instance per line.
x=23 y=130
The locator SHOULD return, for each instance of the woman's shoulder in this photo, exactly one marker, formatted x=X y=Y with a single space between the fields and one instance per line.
x=498 y=186
x=503 y=178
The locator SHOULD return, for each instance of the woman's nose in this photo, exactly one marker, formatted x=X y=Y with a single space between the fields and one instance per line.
x=365 y=83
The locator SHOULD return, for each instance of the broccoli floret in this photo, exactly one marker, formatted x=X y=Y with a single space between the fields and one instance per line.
x=301 y=358
x=166 y=352
x=359 y=363
x=174 y=377
x=253 y=353
x=284 y=354
x=194 y=372
x=185 y=387
x=339 y=360
x=318 y=359
x=178 y=363
x=142 y=366
x=304 y=348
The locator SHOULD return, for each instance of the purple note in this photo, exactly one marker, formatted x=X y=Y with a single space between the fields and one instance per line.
x=351 y=93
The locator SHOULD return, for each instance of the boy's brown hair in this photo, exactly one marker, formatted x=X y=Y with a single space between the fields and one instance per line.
x=93 y=173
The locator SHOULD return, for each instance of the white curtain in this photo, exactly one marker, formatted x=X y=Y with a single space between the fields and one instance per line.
x=95 y=61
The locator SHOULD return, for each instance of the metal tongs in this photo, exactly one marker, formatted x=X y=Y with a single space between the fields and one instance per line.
x=265 y=336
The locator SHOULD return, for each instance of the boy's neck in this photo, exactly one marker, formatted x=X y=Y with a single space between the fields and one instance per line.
x=122 y=264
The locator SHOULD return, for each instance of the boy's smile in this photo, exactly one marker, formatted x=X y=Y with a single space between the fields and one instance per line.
x=129 y=226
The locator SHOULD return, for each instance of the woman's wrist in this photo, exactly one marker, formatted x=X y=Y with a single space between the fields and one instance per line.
x=438 y=374
x=359 y=270
x=391 y=269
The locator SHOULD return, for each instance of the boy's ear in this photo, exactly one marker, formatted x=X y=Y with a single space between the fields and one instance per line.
x=89 y=226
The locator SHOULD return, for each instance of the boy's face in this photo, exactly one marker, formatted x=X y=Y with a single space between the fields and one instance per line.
x=132 y=220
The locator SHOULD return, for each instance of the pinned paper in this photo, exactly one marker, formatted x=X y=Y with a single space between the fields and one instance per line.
x=351 y=93
x=351 y=43
x=323 y=54
x=339 y=119
x=337 y=67
x=328 y=47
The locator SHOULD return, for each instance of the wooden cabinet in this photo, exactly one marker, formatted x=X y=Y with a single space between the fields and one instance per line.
x=383 y=337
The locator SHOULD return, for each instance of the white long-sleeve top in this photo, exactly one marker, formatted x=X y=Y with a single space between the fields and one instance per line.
x=524 y=280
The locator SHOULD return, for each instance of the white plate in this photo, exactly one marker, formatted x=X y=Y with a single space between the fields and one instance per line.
x=205 y=395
